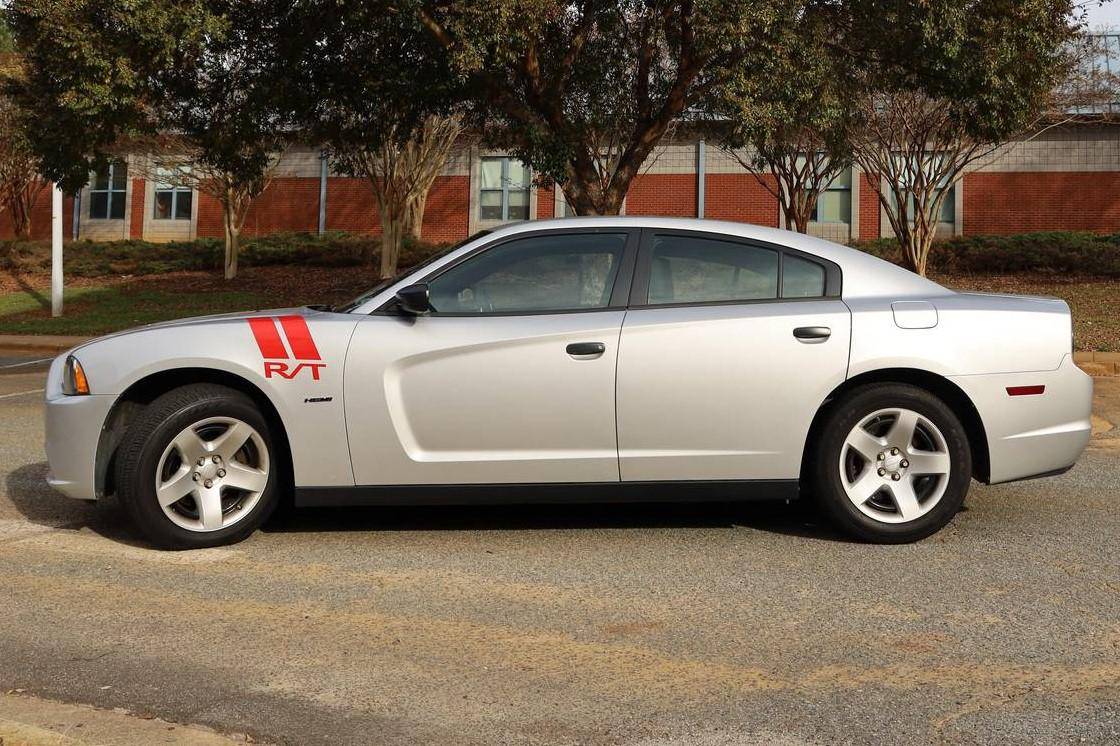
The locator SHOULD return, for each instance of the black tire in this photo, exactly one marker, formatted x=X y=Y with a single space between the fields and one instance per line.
x=825 y=475
x=143 y=446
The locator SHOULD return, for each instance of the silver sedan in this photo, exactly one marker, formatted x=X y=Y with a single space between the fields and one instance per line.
x=636 y=359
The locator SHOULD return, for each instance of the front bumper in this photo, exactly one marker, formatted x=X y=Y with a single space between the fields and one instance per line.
x=73 y=425
x=1038 y=434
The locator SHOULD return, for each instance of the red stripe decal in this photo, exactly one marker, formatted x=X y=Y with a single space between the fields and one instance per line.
x=1025 y=390
x=299 y=338
x=268 y=339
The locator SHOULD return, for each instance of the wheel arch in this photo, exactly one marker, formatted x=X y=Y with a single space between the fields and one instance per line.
x=941 y=387
x=144 y=391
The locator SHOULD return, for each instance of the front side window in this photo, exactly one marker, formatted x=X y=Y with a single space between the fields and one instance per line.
x=834 y=203
x=562 y=272
x=108 y=191
x=688 y=269
x=173 y=200
x=504 y=195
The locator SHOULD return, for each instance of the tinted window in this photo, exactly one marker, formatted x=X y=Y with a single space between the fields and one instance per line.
x=801 y=278
x=686 y=269
x=542 y=273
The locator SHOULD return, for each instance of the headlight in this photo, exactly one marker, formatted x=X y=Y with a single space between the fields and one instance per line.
x=74 y=381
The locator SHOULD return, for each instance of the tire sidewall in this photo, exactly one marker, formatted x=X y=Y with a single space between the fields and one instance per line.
x=139 y=493
x=852 y=410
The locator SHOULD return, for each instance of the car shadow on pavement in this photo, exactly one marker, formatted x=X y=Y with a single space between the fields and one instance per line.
x=41 y=505
x=796 y=519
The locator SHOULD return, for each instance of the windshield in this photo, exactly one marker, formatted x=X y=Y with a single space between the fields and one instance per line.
x=379 y=287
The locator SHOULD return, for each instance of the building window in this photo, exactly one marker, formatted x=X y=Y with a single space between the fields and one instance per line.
x=173 y=200
x=566 y=210
x=108 y=192
x=834 y=203
x=948 y=207
x=504 y=190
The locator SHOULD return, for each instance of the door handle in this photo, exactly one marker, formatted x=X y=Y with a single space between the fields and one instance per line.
x=586 y=349
x=812 y=334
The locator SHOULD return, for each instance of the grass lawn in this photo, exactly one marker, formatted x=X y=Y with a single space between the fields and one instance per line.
x=110 y=304
x=102 y=305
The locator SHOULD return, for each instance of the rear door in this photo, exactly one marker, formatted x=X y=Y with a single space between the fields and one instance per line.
x=510 y=378
x=727 y=351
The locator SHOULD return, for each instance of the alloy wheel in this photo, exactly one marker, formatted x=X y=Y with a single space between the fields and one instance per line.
x=212 y=474
x=895 y=465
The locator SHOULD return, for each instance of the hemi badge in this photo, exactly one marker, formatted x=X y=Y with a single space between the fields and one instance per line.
x=1025 y=390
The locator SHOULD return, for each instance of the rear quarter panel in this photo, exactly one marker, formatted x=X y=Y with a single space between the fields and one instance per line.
x=975 y=334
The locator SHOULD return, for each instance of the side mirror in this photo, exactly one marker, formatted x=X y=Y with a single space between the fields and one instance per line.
x=414 y=299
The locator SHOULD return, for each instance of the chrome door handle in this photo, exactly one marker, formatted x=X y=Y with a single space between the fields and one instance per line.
x=811 y=334
x=586 y=349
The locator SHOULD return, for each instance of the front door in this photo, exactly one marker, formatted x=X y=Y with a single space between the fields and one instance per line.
x=509 y=379
x=727 y=352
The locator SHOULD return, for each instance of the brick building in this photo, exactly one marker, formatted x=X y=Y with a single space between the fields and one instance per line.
x=1066 y=179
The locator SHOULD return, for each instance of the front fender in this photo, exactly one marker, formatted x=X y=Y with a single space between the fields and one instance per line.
x=305 y=391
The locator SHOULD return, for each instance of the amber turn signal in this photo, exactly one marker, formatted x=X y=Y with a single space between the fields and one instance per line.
x=74 y=382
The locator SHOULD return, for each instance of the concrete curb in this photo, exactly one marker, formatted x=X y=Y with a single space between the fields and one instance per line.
x=40 y=342
x=42 y=722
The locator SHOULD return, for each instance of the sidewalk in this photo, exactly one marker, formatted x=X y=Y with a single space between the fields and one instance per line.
x=39 y=342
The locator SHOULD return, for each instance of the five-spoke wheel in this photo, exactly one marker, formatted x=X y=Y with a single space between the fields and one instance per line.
x=892 y=463
x=197 y=467
x=212 y=474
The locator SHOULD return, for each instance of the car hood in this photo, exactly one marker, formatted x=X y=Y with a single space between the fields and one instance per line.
x=217 y=318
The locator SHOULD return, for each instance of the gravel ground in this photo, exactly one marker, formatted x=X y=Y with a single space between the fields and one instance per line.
x=591 y=624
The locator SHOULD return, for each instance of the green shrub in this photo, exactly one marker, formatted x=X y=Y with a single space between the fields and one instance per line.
x=1065 y=252
x=135 y=257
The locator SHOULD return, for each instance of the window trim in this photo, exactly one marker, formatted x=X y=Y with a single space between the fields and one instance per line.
x=505 y=189
x=109 y=192
x=619 y=294
x=639 y=288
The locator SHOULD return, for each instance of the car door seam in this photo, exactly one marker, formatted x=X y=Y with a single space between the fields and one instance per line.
x=617 y=358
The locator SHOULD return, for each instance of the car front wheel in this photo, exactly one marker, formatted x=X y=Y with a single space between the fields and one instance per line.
x=893 y=464
x=197 y=468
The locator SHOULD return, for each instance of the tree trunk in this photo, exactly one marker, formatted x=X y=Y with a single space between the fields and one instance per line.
x=415 y=216
x=232 y=245
x=232 y=230
x=582 y=198
x=21 y=213
x=392 y=236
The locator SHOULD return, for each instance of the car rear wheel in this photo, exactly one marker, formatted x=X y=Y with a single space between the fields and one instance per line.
x=893 y=464
x=197 y=468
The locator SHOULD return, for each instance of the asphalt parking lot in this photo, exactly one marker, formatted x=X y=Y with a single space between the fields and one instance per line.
x=646 y=625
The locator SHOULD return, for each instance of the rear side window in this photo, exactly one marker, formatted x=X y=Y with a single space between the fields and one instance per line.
x=689 y=269
x=801 y=278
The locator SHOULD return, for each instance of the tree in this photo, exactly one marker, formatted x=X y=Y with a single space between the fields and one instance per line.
x=400 y=173
x=177 y=161
x=20 y=182
x=373 y=89
x=793 y=138
x=102 y=74
x=7 y=44
x=943 y=84
x=583 y=92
